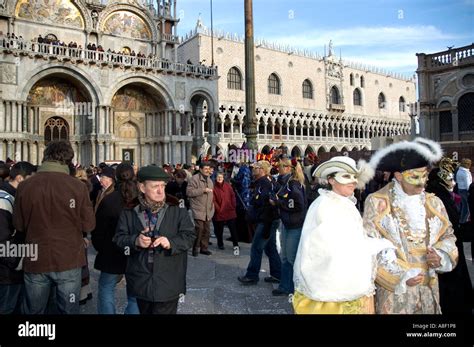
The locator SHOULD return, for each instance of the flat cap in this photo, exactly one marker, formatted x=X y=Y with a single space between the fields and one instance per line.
x=152 y=173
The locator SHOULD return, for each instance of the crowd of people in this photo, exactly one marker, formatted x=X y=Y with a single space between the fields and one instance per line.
x=379 y=237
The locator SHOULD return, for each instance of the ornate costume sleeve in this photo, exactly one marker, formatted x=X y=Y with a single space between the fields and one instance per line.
x=378 y=223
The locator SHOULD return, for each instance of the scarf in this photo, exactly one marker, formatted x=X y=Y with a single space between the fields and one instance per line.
x=153 y=207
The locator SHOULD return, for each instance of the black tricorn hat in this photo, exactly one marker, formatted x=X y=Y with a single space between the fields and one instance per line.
x=406 y=155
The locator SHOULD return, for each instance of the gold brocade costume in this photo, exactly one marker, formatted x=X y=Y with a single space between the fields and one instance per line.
x=305 y=305
x=384 y=220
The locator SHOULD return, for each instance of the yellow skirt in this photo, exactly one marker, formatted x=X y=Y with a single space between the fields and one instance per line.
x=305 y=305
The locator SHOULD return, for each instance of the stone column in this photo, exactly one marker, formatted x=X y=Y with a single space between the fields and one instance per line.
x=2 y=118
x=25 y=156
x=455 y=121
x=2 y=151
x=26 y=118
x=10 y=150
x=107 y=151
x=37 y=117
x=8 y=116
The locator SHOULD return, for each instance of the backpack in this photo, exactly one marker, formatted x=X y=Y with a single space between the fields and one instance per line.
x=6 y=201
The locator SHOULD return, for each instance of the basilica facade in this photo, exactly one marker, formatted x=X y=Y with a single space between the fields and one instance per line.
x=310 y=102
x=103 y=75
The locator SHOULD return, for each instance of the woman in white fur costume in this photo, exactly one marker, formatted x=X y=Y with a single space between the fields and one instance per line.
x=335 y=265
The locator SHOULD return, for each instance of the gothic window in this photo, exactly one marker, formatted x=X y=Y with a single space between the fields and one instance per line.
x=445 y=122
x=362 y=82
x=55 y=128
x=307 y=89
x=234 y=79
x=351 y=79
x=274 y=84
x=334 y=95
x=381 y=100
x=401 y=104
x=357 y=97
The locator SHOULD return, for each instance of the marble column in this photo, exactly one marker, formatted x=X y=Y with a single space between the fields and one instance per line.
x=2 y=118
x=8 y=116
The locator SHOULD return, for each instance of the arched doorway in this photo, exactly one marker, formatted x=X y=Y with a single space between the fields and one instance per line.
x=139 y=117
x=59 y=107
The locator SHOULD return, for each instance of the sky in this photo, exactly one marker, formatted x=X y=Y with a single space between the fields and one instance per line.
x=383 y=33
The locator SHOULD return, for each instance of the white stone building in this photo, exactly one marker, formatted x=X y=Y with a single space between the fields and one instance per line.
x=309 y=102
x=446 y=107
x=110 y=106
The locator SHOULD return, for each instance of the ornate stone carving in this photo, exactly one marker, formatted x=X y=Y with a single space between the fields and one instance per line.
x=8 y=73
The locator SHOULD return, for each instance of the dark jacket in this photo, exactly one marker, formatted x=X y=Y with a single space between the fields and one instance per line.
x=179 y=192
x=165 y=278
x=455 y=288
x=260 y=209
x=291 y=203
x=53 y=209
x=110 y=258
x=224 y=202
x=8 y=274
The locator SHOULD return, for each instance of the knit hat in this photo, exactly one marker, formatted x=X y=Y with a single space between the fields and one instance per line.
x=152 y=173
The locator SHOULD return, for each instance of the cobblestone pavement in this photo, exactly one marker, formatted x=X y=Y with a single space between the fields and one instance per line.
x=212 y=286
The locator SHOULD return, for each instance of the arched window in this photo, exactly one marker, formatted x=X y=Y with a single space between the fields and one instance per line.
x=274 y=84
x=401 y=104
x=351 y=79
x=357 y=97
x=334 y=95
x=55 y=128
x=307 y=89
x=466 y=112
x=362 y=82
x=381 y=100
x=234 y=79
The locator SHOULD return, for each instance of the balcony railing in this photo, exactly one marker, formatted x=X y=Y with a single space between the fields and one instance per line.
x=452 y=57
x=65 y=53
x=170 y=38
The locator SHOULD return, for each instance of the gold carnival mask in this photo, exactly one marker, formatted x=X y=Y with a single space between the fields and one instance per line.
x=447 y=166
x=416 y=177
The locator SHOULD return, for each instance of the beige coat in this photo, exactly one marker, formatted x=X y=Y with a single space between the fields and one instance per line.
x=202 y=203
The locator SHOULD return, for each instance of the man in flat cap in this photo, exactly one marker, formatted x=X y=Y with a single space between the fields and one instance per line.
x=156 y=235
x=416 y=223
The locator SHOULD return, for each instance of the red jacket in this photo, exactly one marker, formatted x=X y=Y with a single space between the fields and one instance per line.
x=224 y=202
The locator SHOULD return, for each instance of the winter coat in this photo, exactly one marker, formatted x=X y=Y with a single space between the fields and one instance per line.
x=53 y=209
x=224 y=202
x=164 y=279
x=8 y=274
x=110 y=258
x=202 y=204
x=291 y=204
x=174 y=189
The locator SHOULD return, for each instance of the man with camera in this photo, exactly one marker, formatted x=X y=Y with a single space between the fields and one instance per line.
x=156 y=235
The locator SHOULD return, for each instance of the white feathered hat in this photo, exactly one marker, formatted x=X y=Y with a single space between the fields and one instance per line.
x=363 y=171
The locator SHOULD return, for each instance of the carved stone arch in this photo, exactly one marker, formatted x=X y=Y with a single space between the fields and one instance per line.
x=70 y=71
x=131 y=8
x=145 y=80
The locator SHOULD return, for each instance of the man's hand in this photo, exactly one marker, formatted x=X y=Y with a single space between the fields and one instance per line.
x=208 y=190
x=163 y=241
x=414 y=281
x=87 y=242
x=142 y=240
x=433 y=259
